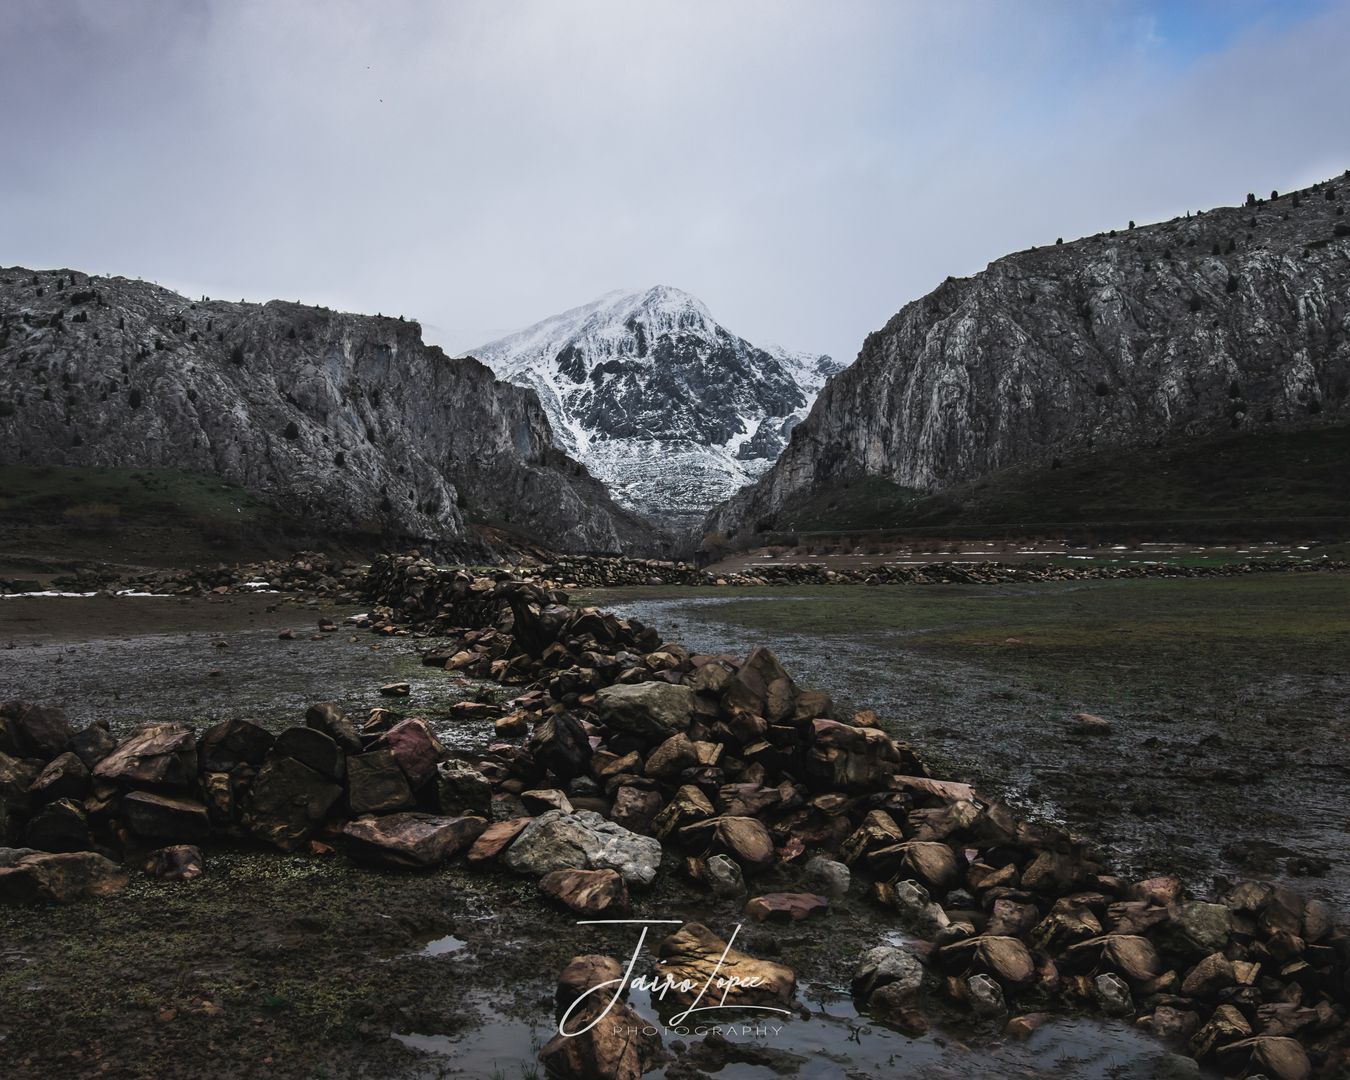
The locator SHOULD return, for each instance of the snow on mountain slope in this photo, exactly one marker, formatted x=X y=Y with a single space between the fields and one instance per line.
x=670 y=410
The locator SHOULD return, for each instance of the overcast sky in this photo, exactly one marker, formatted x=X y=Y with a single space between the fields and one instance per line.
x=805 y=168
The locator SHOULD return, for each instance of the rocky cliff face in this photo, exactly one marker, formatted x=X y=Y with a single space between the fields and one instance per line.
x=1231 y=319
x=349 y=420
x=671 y=410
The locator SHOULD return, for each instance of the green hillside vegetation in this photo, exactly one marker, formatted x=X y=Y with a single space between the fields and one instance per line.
x=1240 y=485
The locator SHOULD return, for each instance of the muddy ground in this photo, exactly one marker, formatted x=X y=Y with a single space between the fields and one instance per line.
x=293 y=966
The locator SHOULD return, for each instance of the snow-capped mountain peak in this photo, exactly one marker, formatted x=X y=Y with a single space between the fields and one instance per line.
x=663 y=404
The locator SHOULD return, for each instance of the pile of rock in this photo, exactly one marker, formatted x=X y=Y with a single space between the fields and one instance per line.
x=388 y=792
x=307 y=572
x=606 y=571
x=738 y=771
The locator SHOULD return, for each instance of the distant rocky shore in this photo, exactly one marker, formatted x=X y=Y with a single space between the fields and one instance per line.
x=621 y=752
x=320 y=575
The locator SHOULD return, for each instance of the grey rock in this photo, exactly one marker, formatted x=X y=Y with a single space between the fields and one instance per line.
x=583 y=840
x=986 y=996
x=1154 y=333
x=1197 y=929
x=829 y=874
x=884 y=965
x=654 y=709
x=724 y=876
x=344 y=420
x=1113 y=995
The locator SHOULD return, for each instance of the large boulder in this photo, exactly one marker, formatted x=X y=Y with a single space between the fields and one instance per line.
x=158 y=755
x=37 y=731
x=409 y=840
x=376 y=784
x=614 y=1045
x=165 y=817
x=233 y=742
x=559 y=743
x=65 y=777
x=655 y=710
x=583 y=841
x=312 y=747
x=62 y=825
x=416 y=749
x=36 y=877
x=92 y=744
x=855 y=759
x=287 y=802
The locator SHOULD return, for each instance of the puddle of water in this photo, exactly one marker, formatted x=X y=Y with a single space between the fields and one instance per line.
x=827 y=1038
x=441 y=946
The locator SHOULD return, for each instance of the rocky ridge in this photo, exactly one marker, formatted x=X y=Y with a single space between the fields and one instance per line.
x=1230 y=319
x=670 y=409
x=349 y=421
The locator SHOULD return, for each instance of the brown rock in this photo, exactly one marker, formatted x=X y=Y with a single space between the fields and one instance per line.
x=785 y=907
x=585 y=973
x=36 y=730
x=743 y=839
x=1173 y=1026
x=614 y=1045
x=932 y=864
x=165 y=817
x=1277 y=1057
x=635 y=808
x=232 y=743
x=1227 y=1025
x=409 y=840
x=1209 y=976
x=328 y=718
x=687 y=805
x=159 y=755
x=1010 y=918
x=878 y=830
x=181 y=862
x=65 y=777
x=376 y=784
x=43 y=877
x=694 y=955
x=1023 y=1027
x=496 y=838
x=287 y=802
x=588 y=892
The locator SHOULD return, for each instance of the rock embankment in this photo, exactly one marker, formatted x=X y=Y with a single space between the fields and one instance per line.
x=621 y=753
x=314 y=574
x=605 y=572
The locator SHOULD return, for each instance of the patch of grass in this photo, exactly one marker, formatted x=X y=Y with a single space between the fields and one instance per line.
x=1243 y=484
x=51 y=494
